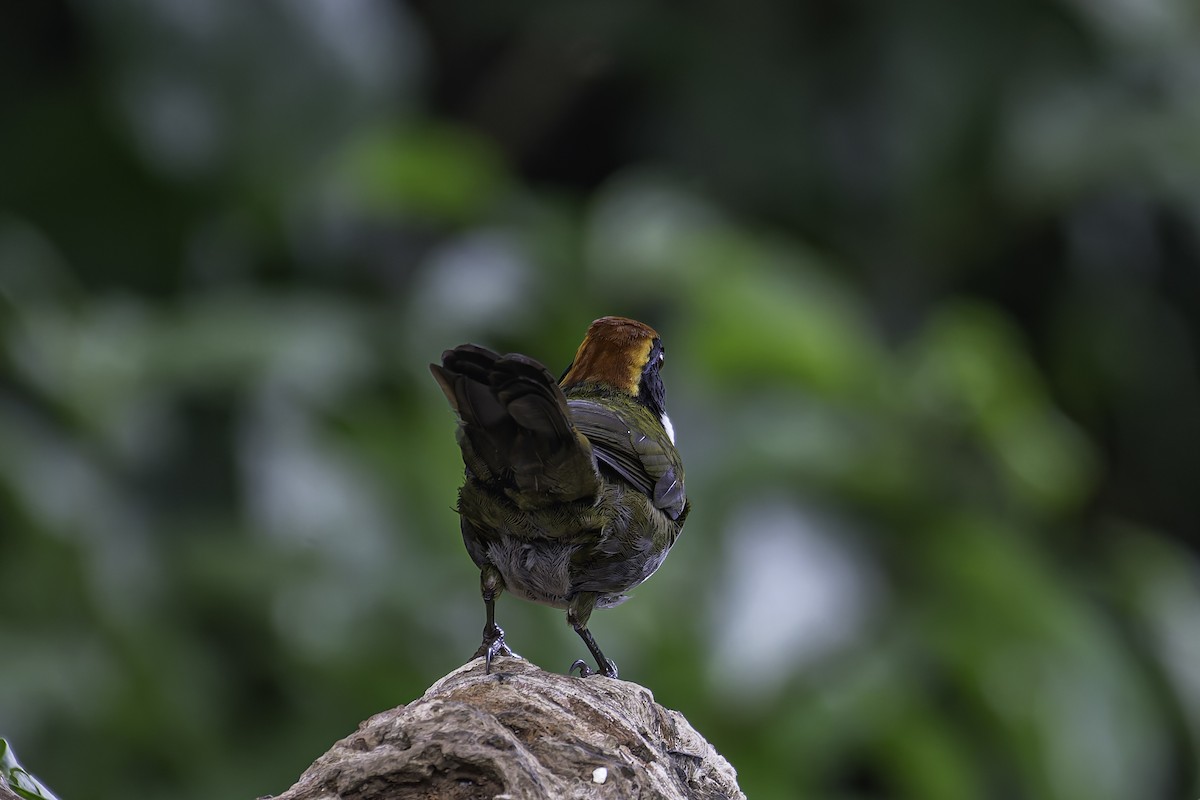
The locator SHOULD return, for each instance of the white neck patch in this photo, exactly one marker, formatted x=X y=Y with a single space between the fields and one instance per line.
x=666 y=422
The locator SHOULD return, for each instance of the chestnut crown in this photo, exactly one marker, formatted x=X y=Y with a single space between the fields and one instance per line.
x=620 y=354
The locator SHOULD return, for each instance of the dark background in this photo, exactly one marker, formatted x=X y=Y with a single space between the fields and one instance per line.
x=928 y=277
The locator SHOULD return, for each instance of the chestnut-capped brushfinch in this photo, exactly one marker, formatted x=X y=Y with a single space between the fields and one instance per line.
x=574 y=489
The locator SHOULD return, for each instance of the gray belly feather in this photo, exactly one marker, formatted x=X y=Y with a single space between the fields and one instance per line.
x=535 y=571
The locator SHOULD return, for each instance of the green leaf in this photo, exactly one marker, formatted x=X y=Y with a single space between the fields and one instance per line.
x=17 y=779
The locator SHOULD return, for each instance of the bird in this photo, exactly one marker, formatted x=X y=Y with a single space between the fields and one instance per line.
x=573 y=491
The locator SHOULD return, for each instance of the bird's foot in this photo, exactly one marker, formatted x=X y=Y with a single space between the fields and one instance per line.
x=493 y=645
x=609 y=670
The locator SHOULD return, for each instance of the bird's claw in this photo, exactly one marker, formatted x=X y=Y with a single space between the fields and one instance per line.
x=493 y=645
x=609 y=670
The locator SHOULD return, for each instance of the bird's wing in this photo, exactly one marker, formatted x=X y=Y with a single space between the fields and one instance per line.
x=649 y=463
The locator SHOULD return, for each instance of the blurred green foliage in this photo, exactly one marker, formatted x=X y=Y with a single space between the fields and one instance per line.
x=928 y=277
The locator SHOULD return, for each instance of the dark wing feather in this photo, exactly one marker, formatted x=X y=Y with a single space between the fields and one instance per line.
x=650 y=464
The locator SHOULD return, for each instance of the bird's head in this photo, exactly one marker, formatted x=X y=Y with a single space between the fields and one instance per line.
x=620 y=354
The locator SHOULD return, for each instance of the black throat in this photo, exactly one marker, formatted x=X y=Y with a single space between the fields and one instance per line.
x=651 y=392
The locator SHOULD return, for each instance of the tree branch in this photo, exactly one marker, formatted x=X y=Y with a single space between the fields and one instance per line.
x=522 y=732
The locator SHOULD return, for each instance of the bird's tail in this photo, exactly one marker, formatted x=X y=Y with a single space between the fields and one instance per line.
x=515 y=427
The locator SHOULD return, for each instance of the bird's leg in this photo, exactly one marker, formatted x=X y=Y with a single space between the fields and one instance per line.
x=578 y=612
x=491 y=585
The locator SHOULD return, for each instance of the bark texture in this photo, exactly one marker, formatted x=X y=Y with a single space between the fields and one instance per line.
x=522 y=733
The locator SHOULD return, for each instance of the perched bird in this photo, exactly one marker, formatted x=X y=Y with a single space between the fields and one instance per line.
x=574 y=489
